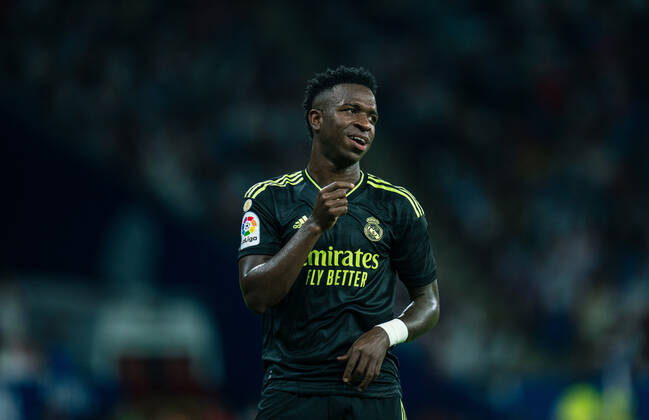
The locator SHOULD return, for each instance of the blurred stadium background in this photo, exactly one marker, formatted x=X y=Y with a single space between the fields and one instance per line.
x=131 y=130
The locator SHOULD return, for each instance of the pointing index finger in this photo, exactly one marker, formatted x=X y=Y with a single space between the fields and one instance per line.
x=337 y=185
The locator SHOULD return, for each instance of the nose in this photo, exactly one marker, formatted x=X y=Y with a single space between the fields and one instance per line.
x=363 y=122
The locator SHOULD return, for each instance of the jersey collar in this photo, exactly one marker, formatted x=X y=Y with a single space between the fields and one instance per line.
x=360 y=182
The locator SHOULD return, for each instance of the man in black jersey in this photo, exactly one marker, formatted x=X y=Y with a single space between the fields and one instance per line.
x=320 y=252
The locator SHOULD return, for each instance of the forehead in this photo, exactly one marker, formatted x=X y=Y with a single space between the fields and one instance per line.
x=352 y=93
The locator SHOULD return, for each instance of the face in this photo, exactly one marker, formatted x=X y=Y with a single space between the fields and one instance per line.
x=344 y=120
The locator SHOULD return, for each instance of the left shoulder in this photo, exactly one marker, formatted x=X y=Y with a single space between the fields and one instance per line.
x=395 y=192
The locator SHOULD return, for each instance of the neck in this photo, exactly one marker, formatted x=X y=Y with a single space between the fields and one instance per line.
x=324 y=172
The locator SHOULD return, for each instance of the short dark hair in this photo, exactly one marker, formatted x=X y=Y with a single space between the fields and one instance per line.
x=330 y=78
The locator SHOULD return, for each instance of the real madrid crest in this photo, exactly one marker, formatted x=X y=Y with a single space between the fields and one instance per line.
x=372 y=230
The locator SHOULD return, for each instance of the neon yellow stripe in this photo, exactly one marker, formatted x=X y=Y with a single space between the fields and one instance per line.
x=385 y=187
x=348 y=192
x=285 y=176
x=312 y=180
x=403 y=411
x=277 y=183
x=382 y=181
x=261 y=184
x=360 y=181
x=252 y=188
x=402 y=189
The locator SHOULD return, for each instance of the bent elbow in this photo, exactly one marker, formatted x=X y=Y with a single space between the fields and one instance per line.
x=435 y=317
x=251 y=296
x=258 y=309
x=255 y=305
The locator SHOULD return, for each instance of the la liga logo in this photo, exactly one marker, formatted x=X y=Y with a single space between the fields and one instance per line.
x=248 y=226
x=249 y=230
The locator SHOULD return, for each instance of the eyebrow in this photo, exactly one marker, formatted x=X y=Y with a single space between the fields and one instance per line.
x=372 y=111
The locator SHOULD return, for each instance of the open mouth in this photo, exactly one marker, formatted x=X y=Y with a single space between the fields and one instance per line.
x=361 y=142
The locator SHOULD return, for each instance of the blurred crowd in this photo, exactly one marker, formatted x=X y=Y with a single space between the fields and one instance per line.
x=521 y=128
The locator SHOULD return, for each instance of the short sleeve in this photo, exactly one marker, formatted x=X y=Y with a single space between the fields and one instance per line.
x=260 y=234
x=412 y=255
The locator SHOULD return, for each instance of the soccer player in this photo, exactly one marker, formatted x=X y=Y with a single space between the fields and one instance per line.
x=320 y=252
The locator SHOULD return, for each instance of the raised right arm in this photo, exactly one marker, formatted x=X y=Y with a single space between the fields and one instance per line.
x=265 y=280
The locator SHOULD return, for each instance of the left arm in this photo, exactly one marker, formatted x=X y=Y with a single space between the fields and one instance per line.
x=411 y=256
x=365 y=357
x=422 y=313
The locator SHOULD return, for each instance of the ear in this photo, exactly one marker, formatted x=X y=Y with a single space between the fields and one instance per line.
x=315 y=119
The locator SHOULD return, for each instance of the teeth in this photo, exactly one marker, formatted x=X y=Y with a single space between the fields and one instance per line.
x=358 y=139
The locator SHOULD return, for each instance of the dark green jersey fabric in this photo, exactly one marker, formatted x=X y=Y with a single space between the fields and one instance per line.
x=347 y=284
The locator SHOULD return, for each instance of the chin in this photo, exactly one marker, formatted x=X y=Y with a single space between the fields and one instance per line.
x=349 y=160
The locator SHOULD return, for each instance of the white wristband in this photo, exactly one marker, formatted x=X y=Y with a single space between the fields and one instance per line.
x=397 y=331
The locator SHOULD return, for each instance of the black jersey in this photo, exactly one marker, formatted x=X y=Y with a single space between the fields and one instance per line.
x=347 y=284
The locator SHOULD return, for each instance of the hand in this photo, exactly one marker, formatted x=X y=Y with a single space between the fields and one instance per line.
x=365 y=357
x=330 y=204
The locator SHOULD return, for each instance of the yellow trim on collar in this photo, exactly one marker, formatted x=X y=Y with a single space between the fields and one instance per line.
x=360 y=181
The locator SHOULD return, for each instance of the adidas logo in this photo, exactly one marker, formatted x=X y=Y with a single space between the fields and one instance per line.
x=299 y=222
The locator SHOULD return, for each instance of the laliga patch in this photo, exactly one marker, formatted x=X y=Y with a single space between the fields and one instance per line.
x=250 y=232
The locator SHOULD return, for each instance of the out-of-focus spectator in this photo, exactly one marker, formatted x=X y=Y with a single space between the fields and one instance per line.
x=521 y=127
